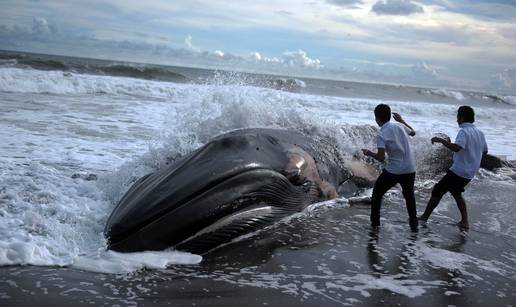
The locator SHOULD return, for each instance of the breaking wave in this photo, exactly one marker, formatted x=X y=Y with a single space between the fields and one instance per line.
x=465 y=95
x=17 y=80
x=96 y=67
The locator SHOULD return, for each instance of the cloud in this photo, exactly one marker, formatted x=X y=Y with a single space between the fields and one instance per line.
x=345 y=2
x=289 y=59
x=218 y=53
x=283 y=12
x=255 y=56
x=396 y=7
x=475 y=47
x=506 y=80
x=41 y=30
x=299 y=58
x=424 y=71
x=42 y=36
x=190 y=45
x=481 y=9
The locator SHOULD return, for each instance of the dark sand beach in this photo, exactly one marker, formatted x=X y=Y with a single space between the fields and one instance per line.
x=327 y=256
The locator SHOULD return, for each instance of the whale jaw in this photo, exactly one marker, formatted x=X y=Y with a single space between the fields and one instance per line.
x=239 y=205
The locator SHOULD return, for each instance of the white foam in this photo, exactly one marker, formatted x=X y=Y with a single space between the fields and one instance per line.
x=17 y=80
x=448 y=93
x=53 y=220
x=510 y=100
x=48 y=218
x=113 y=262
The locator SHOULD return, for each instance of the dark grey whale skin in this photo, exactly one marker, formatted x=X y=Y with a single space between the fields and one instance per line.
x=233 y=185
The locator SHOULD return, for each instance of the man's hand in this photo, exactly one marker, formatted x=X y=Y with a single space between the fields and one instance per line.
x=447 y=143
x=436 y=139
x=397 y=117
x=445 y=139
x=380 y=155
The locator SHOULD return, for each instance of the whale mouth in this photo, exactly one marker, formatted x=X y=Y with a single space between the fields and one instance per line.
x=221 y=211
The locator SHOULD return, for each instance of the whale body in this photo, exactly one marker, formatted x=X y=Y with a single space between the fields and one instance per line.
x=236 y=183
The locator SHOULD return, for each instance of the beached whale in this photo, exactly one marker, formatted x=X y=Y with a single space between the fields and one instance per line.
x=235 y=184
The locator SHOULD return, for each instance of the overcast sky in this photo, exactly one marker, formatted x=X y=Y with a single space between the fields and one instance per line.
x=462 y=43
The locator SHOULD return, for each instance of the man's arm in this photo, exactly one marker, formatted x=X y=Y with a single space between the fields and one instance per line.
x=397 y=117
x=380 y=155
x=451 y=146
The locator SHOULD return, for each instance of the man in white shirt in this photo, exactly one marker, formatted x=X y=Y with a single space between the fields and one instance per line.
x=401 y=167
x=468 y=148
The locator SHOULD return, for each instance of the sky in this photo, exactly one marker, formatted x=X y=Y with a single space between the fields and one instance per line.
x=454 y=44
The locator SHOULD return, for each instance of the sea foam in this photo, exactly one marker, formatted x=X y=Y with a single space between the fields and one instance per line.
x=49 y=218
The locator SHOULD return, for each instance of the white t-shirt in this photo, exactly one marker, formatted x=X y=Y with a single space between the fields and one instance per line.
x=394 y=138
x=466 y=161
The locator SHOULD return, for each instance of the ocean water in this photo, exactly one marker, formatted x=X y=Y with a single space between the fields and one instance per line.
x=75 y=133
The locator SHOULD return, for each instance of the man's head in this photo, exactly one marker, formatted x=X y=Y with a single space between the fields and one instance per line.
x=382 y=114
x=465 y=114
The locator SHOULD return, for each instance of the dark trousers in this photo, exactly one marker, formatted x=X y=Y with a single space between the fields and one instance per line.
x=386 y=181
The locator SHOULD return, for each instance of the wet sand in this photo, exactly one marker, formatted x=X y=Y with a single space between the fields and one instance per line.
x=326 y=257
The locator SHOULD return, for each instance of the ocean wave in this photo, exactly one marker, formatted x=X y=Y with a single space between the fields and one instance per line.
x=457 y=95
x=283 y=84
x=215 y=110
x=220 y=77
x=8 y=63
x=143 y=72
x=464 y=95
x=510 y=100
x=50 y=217
x=17 y=80
x=140 y=71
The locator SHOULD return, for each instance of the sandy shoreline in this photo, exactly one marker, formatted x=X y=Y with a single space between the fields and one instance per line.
x=294 y=265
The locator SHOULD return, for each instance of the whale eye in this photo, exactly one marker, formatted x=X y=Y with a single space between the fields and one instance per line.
x=257 y=148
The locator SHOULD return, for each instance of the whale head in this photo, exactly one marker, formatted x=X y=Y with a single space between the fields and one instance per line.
x=232 y=185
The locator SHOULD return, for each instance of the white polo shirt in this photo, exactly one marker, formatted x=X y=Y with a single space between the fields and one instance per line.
x=394 y=138
x=466 y=161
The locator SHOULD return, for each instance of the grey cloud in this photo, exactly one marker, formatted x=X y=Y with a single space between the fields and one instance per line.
x=345 y=2
x=43 y=37
x=283 y=12
x=189 y=44
x=415 y=35
x=41 y=31
x=420 y=73
x=41 y=27
x=508 y=32
x=396 y=7
x=481 y=9
x=424 y=71
x=452 y=34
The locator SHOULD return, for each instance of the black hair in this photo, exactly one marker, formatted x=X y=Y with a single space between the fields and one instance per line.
x=466 y=113
x=383 y=112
